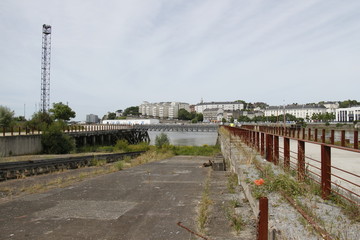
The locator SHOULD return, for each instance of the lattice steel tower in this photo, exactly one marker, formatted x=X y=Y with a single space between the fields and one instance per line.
x=45 y=68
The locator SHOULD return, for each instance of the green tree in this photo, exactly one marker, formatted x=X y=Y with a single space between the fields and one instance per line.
x=348 y=103
x=6 y=116
x=161 y=140
x=40 y=120
x=111 y=115
x=62 y=111
x=131 y=111
x=184 y=115
x=200 y=117
x=244 y=119
x=55 y=141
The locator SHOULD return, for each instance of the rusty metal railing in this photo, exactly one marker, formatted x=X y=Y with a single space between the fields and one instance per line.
x=324 y=165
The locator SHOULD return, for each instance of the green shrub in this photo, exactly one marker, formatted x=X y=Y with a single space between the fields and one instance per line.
x=204 y=150
x=97 y=162
x=105 y=149
x=119 y=165
x=161 y=140
x=143 y=146
x=54 y=141
x=122 y=145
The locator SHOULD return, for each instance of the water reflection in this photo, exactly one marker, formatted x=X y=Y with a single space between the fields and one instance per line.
x=186 y=138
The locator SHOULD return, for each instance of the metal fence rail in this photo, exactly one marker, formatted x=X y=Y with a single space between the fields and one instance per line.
x=322 y=161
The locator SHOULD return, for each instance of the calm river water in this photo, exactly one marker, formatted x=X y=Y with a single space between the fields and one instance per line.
x=186 y=138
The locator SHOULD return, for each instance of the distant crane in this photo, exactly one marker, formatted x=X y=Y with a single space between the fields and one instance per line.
x=45 y=68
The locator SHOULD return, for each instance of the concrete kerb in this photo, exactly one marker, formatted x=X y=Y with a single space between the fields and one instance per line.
x=235 y=159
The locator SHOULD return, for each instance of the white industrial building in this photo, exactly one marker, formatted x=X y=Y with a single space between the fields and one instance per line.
x=231 y=106
x=163 y=110
x=348 y=114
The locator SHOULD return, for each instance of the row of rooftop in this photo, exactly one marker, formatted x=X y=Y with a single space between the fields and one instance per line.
x=216 y=111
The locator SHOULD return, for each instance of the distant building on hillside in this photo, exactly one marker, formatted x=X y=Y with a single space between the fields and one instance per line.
x=232 y=106
x=299 y=111
x=163 y=110
x=92 y=118
x=119 y=113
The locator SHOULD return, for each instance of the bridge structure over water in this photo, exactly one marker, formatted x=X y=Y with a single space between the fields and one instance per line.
x=26 y=141
x=179 y=127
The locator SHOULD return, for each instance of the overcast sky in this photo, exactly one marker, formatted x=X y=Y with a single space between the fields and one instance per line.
x=109 y=55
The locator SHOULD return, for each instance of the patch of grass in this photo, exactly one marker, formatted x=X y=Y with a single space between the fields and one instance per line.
x=350 y=209
x=119 y=165
x=127 y=159
x=203 y=213
x=285 y=183
x=237 y=222
x=204 y=150
x=232 y=182
x=97 y=162
x=105 y=149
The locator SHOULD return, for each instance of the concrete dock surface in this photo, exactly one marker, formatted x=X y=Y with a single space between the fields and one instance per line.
x=144 y=202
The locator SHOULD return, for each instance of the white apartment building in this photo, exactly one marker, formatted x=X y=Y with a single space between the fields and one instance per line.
x=347 y=114
x=163 y=109
x=231 y=106
x=331 y=106
x=299 y=111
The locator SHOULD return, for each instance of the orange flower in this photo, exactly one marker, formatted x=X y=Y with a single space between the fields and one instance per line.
x=259 y=182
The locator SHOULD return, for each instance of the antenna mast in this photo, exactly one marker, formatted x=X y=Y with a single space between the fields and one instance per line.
x=45 y=68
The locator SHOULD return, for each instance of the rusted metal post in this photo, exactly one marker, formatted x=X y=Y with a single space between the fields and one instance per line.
x=257 y=141
x=3 y=131
x=276 y=150
x=309 y=133
x=301 y=160
x=343 y=138
x=298 y=133
x=19 y=130
x=315 y=134
x=325 y=171
x=356 y=139
x=269 y=147
x=303 y=133
x=323 y=135
x=262 y=144
x=263 y=218
x=286 y=153
x=332 y=137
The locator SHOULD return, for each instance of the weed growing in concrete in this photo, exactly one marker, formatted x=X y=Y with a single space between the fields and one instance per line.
x=204 y=205
x=236 y=221
x=232 y=182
